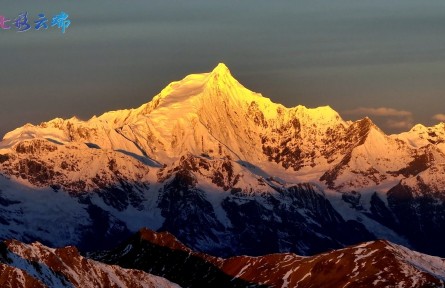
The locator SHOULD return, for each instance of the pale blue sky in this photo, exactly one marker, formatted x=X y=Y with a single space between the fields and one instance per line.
x=119 y=54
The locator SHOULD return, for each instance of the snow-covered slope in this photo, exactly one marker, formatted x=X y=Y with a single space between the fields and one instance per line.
x=420 y=136
x=217 y=165
x=35 y=265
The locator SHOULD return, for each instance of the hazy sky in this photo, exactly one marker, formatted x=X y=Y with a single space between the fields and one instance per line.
x=383 y=58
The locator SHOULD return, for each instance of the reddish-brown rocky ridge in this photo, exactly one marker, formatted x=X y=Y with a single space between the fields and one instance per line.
x=11 y=277
x=35 y=265
x=371 y=264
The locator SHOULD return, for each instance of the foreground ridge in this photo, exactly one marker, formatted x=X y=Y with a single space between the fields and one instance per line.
x=35 y=266
x=377 y=264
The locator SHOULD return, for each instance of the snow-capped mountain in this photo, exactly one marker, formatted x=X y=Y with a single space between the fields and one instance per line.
x=371 y=264
x=225 y=170
x=37 y=266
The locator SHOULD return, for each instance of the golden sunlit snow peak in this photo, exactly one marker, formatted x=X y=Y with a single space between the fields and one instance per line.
x=221 y=69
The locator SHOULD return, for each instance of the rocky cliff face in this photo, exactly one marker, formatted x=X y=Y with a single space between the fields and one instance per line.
x=225 y=170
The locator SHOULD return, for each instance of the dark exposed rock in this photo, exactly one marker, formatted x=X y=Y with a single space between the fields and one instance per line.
x=352 y=198
x=294 y=218
x=36 y=172
x=255 y=113
x=4 y=158
x=381 y=213
x=35 y=146
x=104 y=232
x=419 y=164
x=421 y=218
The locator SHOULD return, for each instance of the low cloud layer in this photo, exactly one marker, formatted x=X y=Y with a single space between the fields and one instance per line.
x=400 y=124
x=382 y=111
x=439 y=117
x=391 y=118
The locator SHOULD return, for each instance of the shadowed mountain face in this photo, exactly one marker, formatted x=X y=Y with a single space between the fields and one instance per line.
x=371 y=264
x=226 y=171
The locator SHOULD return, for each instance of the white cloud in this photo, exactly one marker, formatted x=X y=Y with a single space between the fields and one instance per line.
x=400 y=124
x=389 y=118
x=439 y=117
x=382 y=111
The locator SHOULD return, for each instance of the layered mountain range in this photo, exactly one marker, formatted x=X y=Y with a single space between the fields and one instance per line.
x=228 y=172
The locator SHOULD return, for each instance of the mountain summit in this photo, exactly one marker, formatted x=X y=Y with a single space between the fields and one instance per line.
x=198 y=114
x=221 y=70
x=225 y=170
